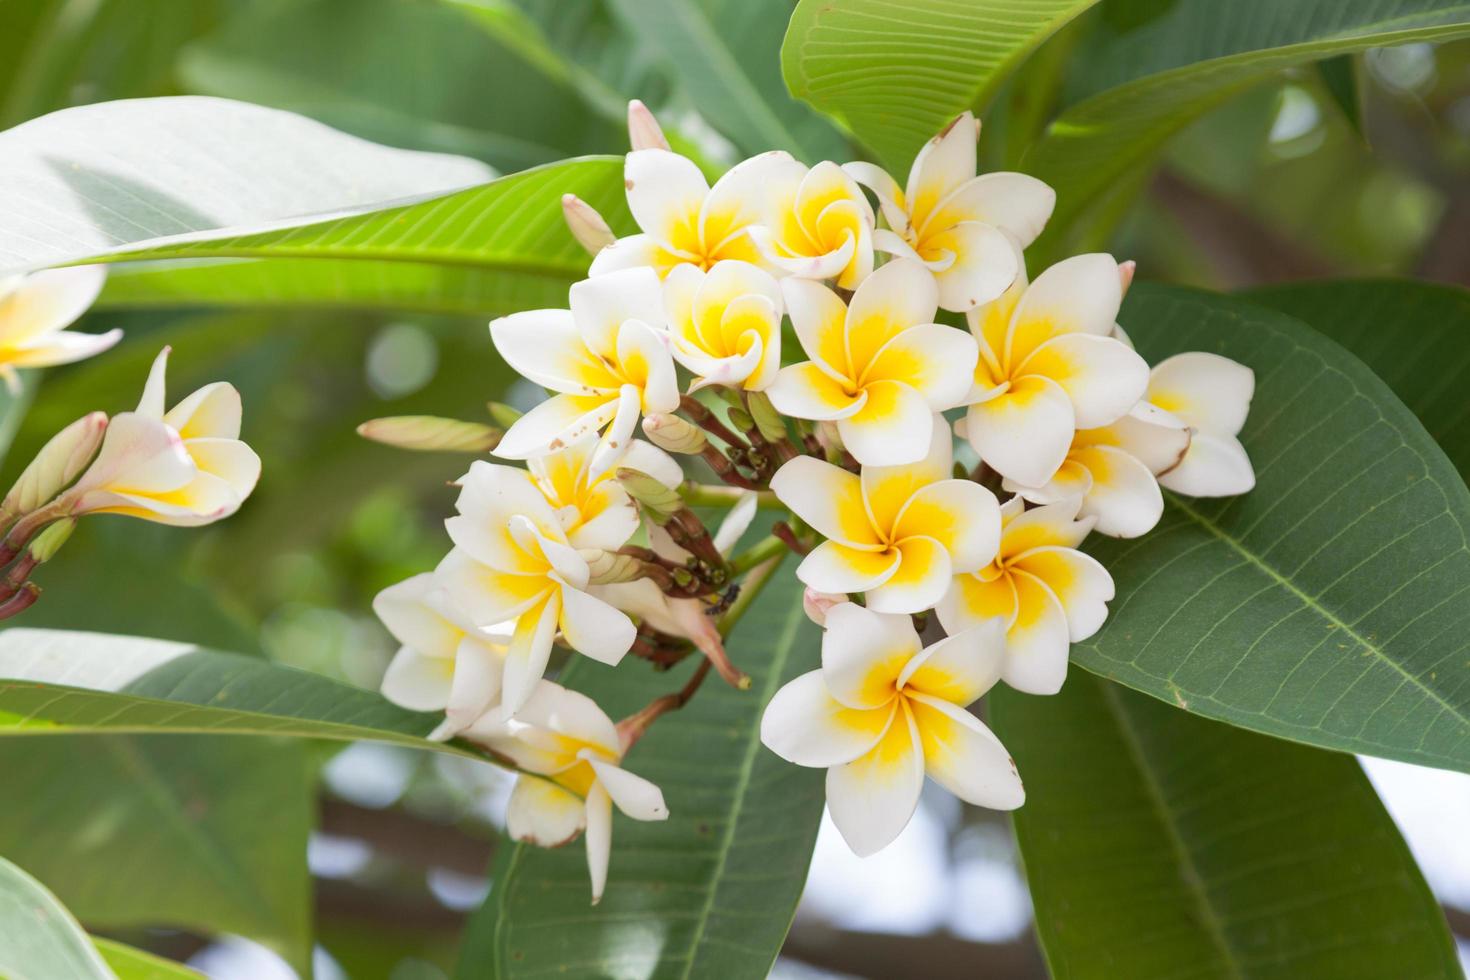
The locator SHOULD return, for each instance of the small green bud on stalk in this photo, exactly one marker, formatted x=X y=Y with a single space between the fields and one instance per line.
x=46 y=544
x=674 y=434
x=767 y=420
x=429 y=433
x=610 y=568
x=659 y=502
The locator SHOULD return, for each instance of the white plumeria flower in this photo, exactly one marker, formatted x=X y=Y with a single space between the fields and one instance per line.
x=1212 y=395
x=186 y=466
x=882 y=711
x=1048 y=594
x=1114 y=469
x=607 y=358
x=880 y=367
x=725 y=323
x=1049 y=366
x=446 y=662
x=967 y=230
x=35 y=311
x=593 y=508
x=896 y=533
x=684 y=220
x=817 y=227
x=512 y=560
x=573 y=749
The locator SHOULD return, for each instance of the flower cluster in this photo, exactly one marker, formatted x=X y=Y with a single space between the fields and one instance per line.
x=677 y=333
x=184 y=466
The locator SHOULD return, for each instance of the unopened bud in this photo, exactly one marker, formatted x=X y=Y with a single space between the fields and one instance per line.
x=49 y=542
x=817 y=604
x=741 y=419
x=609 y=567
x=767 y=420
x=58 y=463
x=656 y=500
x=502 y=414
x=429 y=433
x=644 y=132
x=585 y=224
x=674 y=434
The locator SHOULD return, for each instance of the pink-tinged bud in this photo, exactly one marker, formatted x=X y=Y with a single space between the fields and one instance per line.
x=817 y=604
x=56 y=465
x=585 y=224
x=1125 y=274
x=429 y=433
x=644 y=132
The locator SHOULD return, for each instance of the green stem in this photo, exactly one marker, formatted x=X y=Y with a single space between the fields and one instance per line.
x=749 y=589
x=763 y=550
x=705 y=495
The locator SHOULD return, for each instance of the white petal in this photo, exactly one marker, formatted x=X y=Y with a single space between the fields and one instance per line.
x=476 y=685
x=643 y=352
x=1038 y=642
x=920 y=581
x=942 y=164
x=634 y=795
x=1025 y=433
x=872 y=798
x=1077 y=295
x=892 y=427
x=406 y=609
x=603 y=304
x=828 y=498
x=528 y=653
x=48 y=301
x=962 y=755
x=805 y=725
x=634 y=251
x=961 y=515
x=898 y=295
x=417 y=682
x=1124 y=496
x=647 y=458
x=1079 y=581
x=736 y=522
x=571 y=714
x=488 y=597
x=833 y=567
x=542 y=813
x=615 y=442
x=64 y=347
x=595 y=629
x=818 y=316
x=665 y=194
x=864 y=653
x=1215 y=466
x=807 y=391
x=599 y=827
x=1103 y=378
x=1210 y=392
x=961 y=667
x=1015 y=203
x=545 y=347
x=151 y=405
x=737 y=198
x=936 y=361
x=139 y=454
x=560 y=419
x=985 y=264
x=877 y=180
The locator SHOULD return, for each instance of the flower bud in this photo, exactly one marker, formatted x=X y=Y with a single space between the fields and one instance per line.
x=585 y=224
x=656 y=500
x=49 y=542
x=502 y=414
x=1125 y=274
x=609 y=567
x=56 y=465
x=817 y=604
x=429 y=433
x=674 y=434
x=741 y=419
x=644 y=132
x=767 y=420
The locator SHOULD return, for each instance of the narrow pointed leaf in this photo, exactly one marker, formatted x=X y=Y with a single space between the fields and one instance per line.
x=38 y=936
x=1328 y=605
x=134 y=964
x=1157 y=842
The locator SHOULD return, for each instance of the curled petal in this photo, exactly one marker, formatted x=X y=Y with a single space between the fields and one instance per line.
x=985 y=263
x=864 y=653
x=1124 y=496
x=542 y=813
x=1209 y=392
x=1078 y=581
x=1215 y=466
x=920 y=581
x=1037 y=642
x=872 y=798
x=1103 y=378
x=806 y=391
x=828 y=498
x=936 y=361
x=961 y=515
x=805 y=725
x=891 y=428
x=962 y=755
x=961 y=667
x=833 y=567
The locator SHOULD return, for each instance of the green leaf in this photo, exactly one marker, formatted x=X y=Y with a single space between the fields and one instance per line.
x=39 y=938
x=104 y=178
x=134 y=964
x=709 y=893
x=494 y=89
x=1158 y=844
x=206 y=834
x=491 y=249
x=1328 y=605
x=1154 y=73
x=1340 y=77
x=58 y=682
x=724 y=53
x=895 y=72
x=1414 y=335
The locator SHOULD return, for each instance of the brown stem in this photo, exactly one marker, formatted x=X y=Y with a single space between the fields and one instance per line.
x=688 y=530
x=20 y=601
x=707 y=421
x=631 y=728
x=783 y=531
x=725 y=470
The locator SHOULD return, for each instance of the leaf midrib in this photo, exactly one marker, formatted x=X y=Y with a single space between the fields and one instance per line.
x=1194 y=882
x=1310 y=602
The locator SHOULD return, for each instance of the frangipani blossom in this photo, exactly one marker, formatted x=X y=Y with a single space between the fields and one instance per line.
x=896 y=533
x=35 y=311
x=882 y=712
x=593 y=508
x=1048 y=594
x=566 y=738
x=186 y=466
x=1113 y=470
x=1212 y=395
x=1048 y=367
x=607 y=358
x=684 y=220
x=446 y=662
x=967 y=230
x=512 y=561
x=725 y=323
x=817 y=227
x=880 y=367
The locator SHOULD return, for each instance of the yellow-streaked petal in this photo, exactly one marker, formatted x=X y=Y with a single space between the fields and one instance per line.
x=805 y=391
x=542 y=813
x=665 y=193
x=921 y=580
x=1078 y=581
x=1210 y=392
x=973 y=599
x=1124 y=496
x=1025 y=433
x=897 y=296
x=959 y=668
x=872 y=798
x=1103 y=377
x=836 y=568
x=864 y=654
x=545 y=347
x=1017 y=204
x=1077 y=295
x=891 y=427
x=529 y=651
x=805 y=725
x=1050 y=525
x=817 y=315
x=961 y=515
x=828 y=498
x=962 y=755
x=1038 y=642
x=886 y=489
x=936 y=361
x=943 y=164
x=489 y=597
x=985 y=263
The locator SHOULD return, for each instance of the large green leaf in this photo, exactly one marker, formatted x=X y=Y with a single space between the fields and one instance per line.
x=1159 y=66
x=134 y=964
x=1414 y=335
x=895 y=72
x=473 y=78
x=1328 y=605
x=725 y=54
x=39 y=938
x=57 y=682
x=711 y=892
x=1158 y=844
x=206 y=833
x=103 y=178
x=492 y=249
